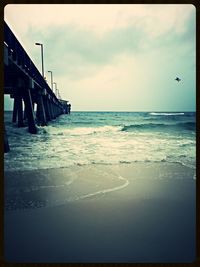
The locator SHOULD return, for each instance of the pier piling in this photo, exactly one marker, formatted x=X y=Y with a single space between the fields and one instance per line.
x=46 y=105
x=6 y=144
x=24 y=83
x=20 y=111
x=41 y=116
x=14 y=117
x=30 y=114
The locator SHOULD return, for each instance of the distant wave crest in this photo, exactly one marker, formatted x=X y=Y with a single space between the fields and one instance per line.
x=160 y=126
x=166 y=114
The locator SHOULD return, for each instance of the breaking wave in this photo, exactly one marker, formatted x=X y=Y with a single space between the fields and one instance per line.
x=121 y=138
x=166 y=114
x=190 y=126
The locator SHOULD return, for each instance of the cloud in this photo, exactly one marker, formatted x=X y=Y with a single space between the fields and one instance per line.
x=93 y=29
x=99 y=18
x=126 y=55
x=77 y=53
x=73 y=49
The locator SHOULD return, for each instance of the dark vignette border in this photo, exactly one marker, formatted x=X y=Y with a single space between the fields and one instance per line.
x=196 y=3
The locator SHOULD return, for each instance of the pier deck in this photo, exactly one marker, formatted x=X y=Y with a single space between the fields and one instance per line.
x=24 y=83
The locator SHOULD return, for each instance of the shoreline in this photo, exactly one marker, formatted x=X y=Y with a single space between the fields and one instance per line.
x=150 y=218
x=121 y=163
x=84 y=181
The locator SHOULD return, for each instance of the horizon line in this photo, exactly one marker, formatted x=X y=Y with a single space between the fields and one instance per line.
x=127 y=111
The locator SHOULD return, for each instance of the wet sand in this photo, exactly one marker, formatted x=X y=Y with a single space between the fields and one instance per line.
x=141 y=212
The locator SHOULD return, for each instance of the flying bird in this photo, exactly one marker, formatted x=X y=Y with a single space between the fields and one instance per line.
x=177 y=79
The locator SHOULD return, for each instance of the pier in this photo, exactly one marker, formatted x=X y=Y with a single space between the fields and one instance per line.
x=29 y=89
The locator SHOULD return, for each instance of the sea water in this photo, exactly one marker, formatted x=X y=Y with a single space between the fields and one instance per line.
x=103 y=138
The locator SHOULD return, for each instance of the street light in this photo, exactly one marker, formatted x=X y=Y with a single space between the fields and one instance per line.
x=41 y=57
x=59 y=95
x=56 y=90
x=51 y=79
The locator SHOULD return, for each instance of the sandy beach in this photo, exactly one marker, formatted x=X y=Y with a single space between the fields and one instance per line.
x=138 y=212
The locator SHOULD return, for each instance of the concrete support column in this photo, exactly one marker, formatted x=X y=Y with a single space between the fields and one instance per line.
x=49 y=108
x=18 y=104
x=52 y=109
x=41 y=116
x=6 y=144
x=30 y=114
x=46 y=108
x=14 y=117
x=25 y=112
x=56 y=108
x=19 y=110
x=56 y=111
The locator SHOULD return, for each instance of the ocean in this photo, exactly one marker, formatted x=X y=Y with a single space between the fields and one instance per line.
x=102 y=187
x=83 y=138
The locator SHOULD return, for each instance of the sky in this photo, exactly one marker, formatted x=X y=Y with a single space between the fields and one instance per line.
x=113 y=57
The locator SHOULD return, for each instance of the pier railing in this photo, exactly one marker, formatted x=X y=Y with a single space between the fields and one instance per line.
x=24 y=83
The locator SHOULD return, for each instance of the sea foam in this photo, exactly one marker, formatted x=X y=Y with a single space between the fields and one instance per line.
x=109 y=138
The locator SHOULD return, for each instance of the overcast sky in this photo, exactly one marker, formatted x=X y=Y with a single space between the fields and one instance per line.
x=113 y=57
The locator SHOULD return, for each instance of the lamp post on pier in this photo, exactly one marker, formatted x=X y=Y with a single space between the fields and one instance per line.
x=51 y=79
x=59 y=95
x=42 y=56
x=56 y=90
